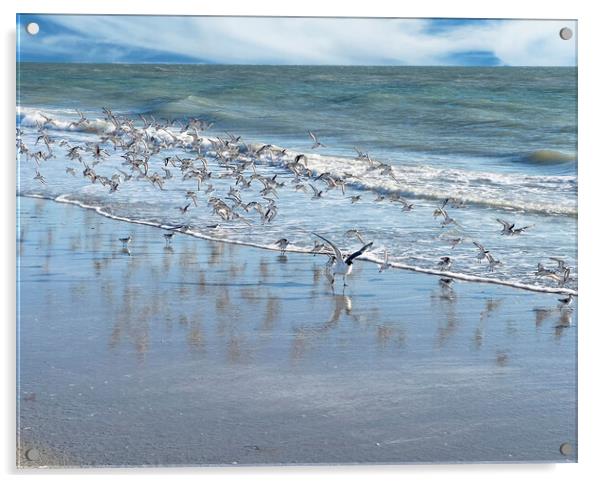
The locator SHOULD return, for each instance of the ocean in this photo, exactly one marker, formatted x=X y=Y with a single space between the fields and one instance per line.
x=501 y=142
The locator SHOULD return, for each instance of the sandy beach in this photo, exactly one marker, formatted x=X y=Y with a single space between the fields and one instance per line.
x=206 y=353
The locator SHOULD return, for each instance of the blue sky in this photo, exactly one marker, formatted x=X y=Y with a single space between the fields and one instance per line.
x=316 y=41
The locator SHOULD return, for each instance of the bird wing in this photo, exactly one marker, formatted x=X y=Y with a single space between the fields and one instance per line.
x=505 y=223
x=354 y=232
x=313 y=136
x=479 y=246
x=354 y=255
x=560 y=261
x=359 y=237
x=337 y=252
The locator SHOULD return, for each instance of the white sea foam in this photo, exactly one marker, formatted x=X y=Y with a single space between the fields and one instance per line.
x=368 y=257
x=537 y=194
x=412 y=240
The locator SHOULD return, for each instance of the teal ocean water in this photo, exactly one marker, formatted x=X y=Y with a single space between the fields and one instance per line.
x=502 y=141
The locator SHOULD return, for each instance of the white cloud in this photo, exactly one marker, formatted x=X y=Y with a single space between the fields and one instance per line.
x=327 y=41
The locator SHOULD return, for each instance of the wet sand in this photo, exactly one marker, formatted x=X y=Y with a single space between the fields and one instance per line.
x=205 y=353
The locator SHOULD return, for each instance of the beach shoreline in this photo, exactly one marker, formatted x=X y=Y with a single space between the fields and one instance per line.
x=273 y=247
x=206 y=353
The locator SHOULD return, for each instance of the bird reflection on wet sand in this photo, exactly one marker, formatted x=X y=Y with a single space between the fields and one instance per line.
x=183 y=323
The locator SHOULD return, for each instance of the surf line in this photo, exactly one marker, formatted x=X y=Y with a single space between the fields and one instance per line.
x=307 y=251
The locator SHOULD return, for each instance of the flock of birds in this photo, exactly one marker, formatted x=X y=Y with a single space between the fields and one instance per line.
x=142 y=145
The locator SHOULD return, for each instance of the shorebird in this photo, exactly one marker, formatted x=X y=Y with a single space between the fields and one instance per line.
x=482 y=252
x=561 y=264
x=342 y=265
x=560 y=279
x=317 y=144
x=282 y=243
x=543 y=271
x=360 y=154
x=354 y=232
x=191 y=195
x=565 y=302
x=439 y=210
x=566 y=274
x=168 y=237
x=407 y=206
x=444 y=264
x=318 y=248
x=126 y=241
x=317 y=193
x=184 y=209
x=508 y=228
x=492 y=262
x=355 y=199
x=40 y=178
x=385 y=265
x=455 y=242
x=447 y=220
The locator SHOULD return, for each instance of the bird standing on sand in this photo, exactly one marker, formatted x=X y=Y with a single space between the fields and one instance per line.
x=282 y=243
x=343 y=265
x=565 y=302
x=126 y=241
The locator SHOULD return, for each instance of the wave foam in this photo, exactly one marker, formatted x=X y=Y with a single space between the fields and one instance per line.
x=368 y=257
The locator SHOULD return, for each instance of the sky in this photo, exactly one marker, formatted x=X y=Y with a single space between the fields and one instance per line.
x=295 y=41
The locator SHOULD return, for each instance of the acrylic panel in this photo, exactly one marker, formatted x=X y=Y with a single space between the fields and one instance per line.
x=295 y=241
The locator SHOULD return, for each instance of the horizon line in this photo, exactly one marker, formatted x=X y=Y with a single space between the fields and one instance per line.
x=299 y=65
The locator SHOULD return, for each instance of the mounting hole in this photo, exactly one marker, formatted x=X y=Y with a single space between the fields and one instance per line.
x=566 y=33
x=566 y=449
x=32 y=454
x=32 y=28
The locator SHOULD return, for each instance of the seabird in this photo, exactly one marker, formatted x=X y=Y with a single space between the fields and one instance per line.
x=565 y=302
x=482 y=252
x=317 y=193
x=318 y=247
x=354 y=232
x=508 y=228
x=282 y=243
x=317 y=144
x=126 y=241
x=343 y=265
x=455 y=242
x=492 y=262
x=444 y=263
x=40 y=178
x=561 y=263
x=385 y=265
